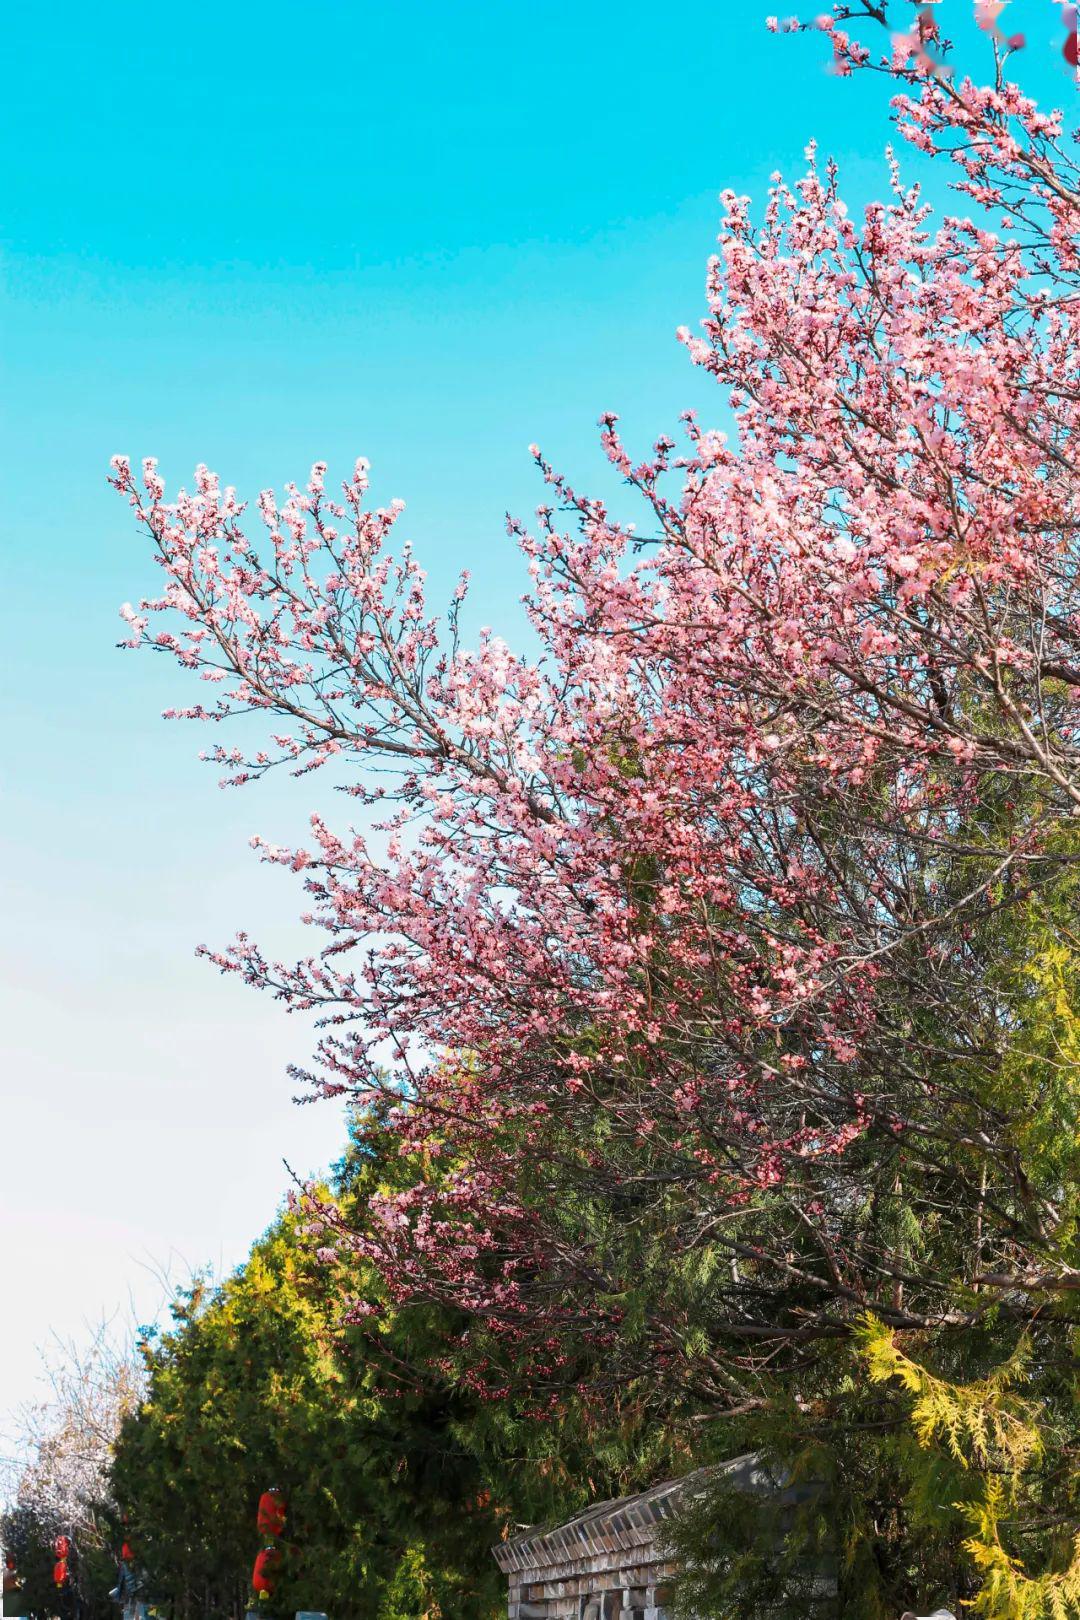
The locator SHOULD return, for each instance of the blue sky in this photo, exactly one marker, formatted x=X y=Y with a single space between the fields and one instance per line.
x=257 y=235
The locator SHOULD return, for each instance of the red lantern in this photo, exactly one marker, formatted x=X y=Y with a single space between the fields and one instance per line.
x=126 y=1553
x=262 y=1576
x=61 y=1546
x=60 y=1570
x=270 y=1520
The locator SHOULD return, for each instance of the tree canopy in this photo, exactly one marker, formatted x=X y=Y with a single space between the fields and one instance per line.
x=397 y=1479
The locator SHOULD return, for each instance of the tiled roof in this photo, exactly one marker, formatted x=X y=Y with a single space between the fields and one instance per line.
x=623 y=1524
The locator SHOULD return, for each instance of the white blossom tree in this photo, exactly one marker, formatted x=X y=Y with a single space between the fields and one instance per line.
x=57 y=1480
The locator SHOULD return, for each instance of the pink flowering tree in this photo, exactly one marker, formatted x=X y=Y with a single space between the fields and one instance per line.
x=712 y=960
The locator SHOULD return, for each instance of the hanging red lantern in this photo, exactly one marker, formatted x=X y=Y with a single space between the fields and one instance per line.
x=270 y=1520
x=262 y=1576
x=61 y=1546
x=60 y=1571
x=126 y=1553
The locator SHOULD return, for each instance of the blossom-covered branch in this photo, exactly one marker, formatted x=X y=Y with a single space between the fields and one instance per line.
x=673 y=942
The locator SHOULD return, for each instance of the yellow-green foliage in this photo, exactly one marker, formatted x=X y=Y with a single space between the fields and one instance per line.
x=1033 y=970
x=258 y=1384
x=984 y=1422
x=992 y=1430
x=1007 y=1592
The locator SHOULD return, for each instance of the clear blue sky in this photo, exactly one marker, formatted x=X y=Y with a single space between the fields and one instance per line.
x=258 y=235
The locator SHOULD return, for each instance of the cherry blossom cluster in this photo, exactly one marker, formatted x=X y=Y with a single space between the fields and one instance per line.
x=632 y=914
